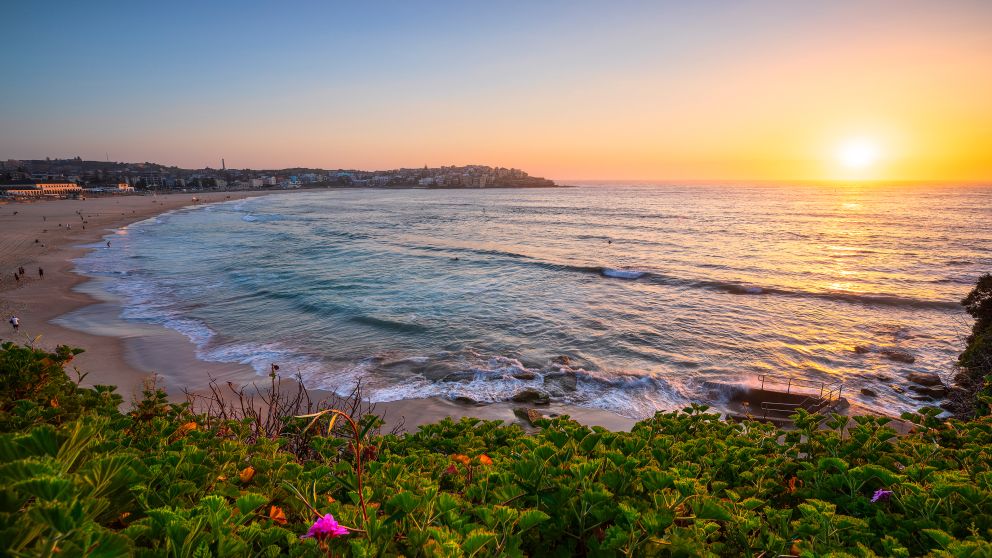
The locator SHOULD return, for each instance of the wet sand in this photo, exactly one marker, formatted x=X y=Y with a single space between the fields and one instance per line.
x=65 y=308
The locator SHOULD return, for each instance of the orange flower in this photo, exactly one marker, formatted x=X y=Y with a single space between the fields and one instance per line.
x=485 y=460
x=188 y=427
x=276 y=514
x=183 y=430
x=463 y=459
x=792 y=484
x=247 y=474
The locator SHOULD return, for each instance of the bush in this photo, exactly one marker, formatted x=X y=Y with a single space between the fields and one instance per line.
x=975 y=377
x=168 y=482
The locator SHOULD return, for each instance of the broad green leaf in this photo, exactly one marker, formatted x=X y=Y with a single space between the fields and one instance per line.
x=477 y=539
x=530 y=518
x=250 y=502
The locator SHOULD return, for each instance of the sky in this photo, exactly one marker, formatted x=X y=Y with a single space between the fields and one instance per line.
x=700 y=90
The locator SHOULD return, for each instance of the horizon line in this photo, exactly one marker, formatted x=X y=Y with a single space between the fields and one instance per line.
x=643 y=181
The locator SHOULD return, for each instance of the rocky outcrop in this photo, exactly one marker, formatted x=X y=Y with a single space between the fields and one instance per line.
x=563 y=381
x=531 y=395
x=924 y=378
x=530 y=416
x=898 y=356
x=936 y=392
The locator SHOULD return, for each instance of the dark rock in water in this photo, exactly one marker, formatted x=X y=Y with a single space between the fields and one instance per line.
x=880 y=377
x=459 y=377
x=565 y=380
x=861 y=349
x=897 y=389
x=465 y=400
x=937 y=392
x=921 y=398
x=435 y=371
x=898 y=356
x=562 y=360
x=524 y=375
x=531 y=395
x=868 y=392
x=924 y=378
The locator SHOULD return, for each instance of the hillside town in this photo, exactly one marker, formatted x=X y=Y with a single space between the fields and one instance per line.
x=76 y=177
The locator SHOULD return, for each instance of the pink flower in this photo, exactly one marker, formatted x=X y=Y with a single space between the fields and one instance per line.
x=325 y=528
x=881 y=495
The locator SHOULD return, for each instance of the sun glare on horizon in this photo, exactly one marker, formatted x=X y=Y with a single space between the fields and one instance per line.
x=858 y=154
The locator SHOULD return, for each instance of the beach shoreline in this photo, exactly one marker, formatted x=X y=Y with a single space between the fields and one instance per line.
x=50 y=235
x=68 y=308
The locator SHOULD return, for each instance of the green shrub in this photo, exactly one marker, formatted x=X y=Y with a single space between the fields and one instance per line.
x=83 y=479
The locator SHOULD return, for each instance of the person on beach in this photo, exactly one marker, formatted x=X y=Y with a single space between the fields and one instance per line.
x=108 y=244
x=20 y=270
x=41 y=273
x=15 y=321
x=17 y=277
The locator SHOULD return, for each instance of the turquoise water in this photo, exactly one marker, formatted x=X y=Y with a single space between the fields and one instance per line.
x=649 y=291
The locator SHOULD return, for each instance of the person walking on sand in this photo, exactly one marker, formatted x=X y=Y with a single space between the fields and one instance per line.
x=15 y=321
x=108 y=244
x=41 y=273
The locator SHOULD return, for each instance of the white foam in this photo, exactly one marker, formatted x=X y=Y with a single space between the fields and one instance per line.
x=623 y=273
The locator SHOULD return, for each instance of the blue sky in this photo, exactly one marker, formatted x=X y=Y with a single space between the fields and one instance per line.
x=383 y=84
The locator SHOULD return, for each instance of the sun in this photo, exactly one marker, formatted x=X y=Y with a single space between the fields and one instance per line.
x=858 y=154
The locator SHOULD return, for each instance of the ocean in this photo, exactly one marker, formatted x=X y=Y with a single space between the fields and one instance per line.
x=649 y=292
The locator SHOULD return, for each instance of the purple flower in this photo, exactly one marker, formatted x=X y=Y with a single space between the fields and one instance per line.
x=324 y=528
x=881 y=495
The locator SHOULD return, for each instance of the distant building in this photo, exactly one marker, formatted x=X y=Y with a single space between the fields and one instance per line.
x=43 y=190
x=59 y=189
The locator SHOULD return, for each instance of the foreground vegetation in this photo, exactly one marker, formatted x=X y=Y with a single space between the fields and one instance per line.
x=80 y=478
x=974 y=380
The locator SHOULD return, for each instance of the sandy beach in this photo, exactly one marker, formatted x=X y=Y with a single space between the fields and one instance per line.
x=48 y=235
x=66 y=308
